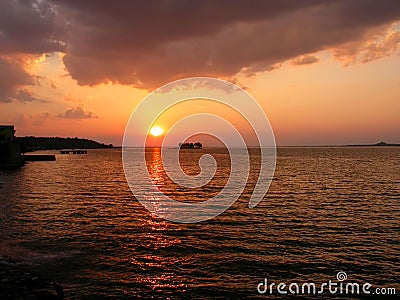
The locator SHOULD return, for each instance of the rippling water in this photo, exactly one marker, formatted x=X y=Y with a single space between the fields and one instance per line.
x=328 y=210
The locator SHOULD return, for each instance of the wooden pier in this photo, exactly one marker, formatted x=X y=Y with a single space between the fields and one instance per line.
x=38 y=157
x=73 y=151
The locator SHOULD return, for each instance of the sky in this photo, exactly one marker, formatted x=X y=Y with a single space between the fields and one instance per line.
x=324 y=72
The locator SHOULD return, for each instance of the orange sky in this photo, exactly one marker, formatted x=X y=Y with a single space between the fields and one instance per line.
x=339 y=92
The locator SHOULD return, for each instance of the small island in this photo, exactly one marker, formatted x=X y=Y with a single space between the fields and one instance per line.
x=196 y=145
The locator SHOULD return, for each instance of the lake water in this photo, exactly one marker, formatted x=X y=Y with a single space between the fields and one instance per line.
x=327 y=210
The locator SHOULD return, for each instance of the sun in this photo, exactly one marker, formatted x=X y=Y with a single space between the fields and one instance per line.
x=156 y=131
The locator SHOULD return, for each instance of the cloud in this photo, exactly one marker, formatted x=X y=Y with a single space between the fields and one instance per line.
x=24 y=95
x=150 y=43
x=12 y=77
x=27 y=29
x=305 y=60
x=26 y=120
x=30 y=27
x=377 y=47
x=77 y=113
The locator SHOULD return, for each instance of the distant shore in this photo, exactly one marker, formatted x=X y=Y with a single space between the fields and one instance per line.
x=32 y=143
x=380 y=144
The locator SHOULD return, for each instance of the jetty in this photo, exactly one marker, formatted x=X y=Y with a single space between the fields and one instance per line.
x=73 y=151
x=38 y=157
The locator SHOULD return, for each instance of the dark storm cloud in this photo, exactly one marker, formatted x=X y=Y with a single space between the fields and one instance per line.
x=149 y=43
x=134 y=41
x=12 y=76
x=29 y=27
x=26 y=27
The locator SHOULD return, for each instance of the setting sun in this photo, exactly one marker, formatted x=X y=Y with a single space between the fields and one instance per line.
x=156 y=131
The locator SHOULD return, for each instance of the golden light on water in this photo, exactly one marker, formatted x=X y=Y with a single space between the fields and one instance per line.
x=156 y=131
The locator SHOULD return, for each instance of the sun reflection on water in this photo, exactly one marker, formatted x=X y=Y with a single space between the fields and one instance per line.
x=155 y=167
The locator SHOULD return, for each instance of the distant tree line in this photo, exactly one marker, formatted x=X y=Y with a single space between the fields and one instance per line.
x=32 y=143
x=191 y=145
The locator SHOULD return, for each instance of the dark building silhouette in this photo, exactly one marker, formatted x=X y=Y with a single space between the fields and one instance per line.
x=10 y=150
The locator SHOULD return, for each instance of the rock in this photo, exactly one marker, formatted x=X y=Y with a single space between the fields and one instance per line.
x=18 y=283
x=59 y=290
